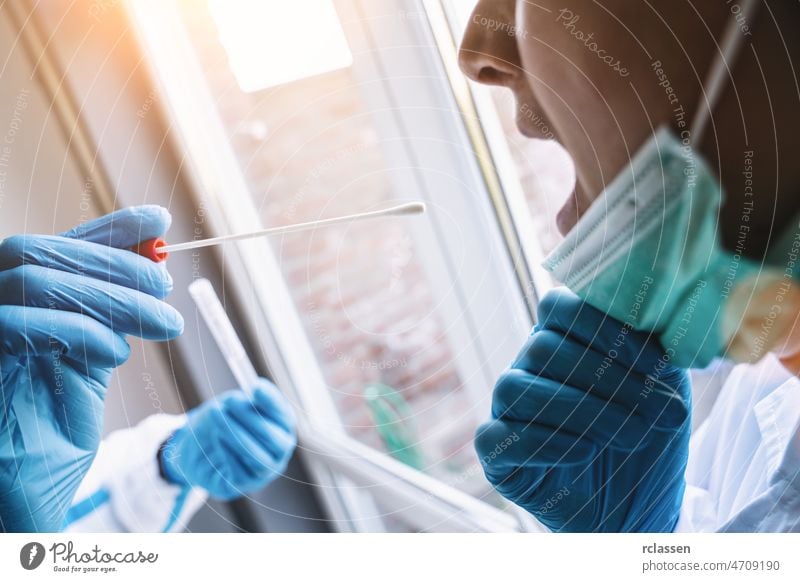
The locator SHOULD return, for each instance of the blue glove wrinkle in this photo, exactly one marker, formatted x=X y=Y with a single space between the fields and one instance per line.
x=124 y=228
x=591 y=426
x=650 y=385
x=232 y=445
x=247 y=468
x=245 y=449
x=274 y=406
x=79 y=257
x=64 y=308
x=273 y=437
x=504 y=445
x=549 y=354
x=121 y=309
x=562 y=311
x=566 y=409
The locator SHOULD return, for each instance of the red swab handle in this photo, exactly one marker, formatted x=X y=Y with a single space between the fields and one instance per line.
x=150 y=249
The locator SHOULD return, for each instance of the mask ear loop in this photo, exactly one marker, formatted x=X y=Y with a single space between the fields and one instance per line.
x=720 y=73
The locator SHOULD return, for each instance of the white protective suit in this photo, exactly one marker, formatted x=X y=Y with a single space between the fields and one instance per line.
x=744 y=460
x=124 y=491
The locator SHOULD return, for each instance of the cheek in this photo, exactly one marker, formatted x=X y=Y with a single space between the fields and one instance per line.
x=554 y=63
x=538 y=40
x=547 y=29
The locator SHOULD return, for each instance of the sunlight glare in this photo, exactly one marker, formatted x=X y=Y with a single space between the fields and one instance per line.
x=272 y=42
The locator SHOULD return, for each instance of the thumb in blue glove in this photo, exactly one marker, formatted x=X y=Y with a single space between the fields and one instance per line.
x=233 y=445
x=66 y=304
x=590 y=425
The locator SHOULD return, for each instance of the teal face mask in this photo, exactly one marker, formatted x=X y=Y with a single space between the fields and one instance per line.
x=647 y=252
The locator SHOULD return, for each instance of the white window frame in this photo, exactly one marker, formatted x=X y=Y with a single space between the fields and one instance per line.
x=502 y=179
x=488 y=320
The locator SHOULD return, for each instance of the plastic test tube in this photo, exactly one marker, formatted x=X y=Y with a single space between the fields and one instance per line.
x=226 y=338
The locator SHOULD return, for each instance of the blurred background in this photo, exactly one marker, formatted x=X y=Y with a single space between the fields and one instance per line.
x=385 y=335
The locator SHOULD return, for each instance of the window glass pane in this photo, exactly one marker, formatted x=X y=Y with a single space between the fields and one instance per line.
x=250 y=29
x=544 y=168
x=310 y=149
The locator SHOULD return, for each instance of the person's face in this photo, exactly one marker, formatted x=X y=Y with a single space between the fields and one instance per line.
x=587 y=71
x=491 y=53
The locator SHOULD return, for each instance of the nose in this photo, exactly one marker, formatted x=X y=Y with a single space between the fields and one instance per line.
x=486 y=68
x=488 y=52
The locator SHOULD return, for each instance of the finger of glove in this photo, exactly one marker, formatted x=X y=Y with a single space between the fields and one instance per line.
x=265 y=401
x=272 y=404
x=213 y=426
x=79 y=257
x=522 y=397
x=121 y=309
x=551 y=355
x=271 y=437
x=562 y=311
x=248 y=453
x=241 y=471
x=124 y=228
x=195 y=448
x=502 y=446
x=32 y=331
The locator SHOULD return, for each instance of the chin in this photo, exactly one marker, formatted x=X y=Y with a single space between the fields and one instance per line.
x=534 y=132
x=528 y=132
x=567 y=217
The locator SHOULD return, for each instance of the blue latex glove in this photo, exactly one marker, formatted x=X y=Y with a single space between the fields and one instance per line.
x=66 y=303
x=233 y=445
x=590 y=429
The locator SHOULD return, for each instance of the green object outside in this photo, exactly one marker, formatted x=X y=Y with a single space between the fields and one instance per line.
x=392 y=417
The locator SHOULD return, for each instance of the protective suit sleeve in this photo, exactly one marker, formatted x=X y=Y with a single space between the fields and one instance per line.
x=124 y=490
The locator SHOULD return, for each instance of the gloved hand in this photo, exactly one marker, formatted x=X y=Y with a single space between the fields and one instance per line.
x=590 y=429
x=66 y=303
x=232 y=445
